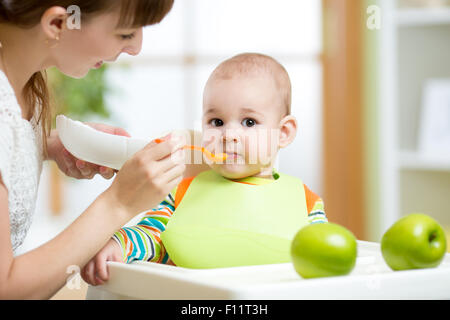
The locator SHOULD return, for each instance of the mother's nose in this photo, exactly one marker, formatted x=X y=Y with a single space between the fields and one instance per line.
x=135 y=45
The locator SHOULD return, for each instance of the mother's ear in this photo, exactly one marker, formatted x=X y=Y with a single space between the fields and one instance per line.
x=288 y=131
x=53 y=22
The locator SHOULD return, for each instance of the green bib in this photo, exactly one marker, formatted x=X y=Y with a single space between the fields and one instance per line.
x=221 y=223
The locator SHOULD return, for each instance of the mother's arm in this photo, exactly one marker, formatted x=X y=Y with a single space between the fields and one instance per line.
x=142 y=183
x=40 y=273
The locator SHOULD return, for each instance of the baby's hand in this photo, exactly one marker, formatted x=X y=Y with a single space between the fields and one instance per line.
x=95 y=272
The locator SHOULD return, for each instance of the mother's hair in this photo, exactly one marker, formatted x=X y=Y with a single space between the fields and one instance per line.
x=28 y=13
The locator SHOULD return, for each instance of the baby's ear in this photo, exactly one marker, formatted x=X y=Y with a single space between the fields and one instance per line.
x=288 y=131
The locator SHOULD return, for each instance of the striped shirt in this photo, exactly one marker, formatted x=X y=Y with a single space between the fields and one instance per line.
x=143 y=241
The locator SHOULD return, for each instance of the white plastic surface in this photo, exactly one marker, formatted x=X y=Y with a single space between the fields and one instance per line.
x=91 y=145
x=370 y=279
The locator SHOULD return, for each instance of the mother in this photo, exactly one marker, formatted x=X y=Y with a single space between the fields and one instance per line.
x=34 y=36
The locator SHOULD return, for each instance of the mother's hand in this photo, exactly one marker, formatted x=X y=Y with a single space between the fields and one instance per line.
x=74 y=167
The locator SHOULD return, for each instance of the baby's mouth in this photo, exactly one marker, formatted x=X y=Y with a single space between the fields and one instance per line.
x=232 y=155
x=235 y=158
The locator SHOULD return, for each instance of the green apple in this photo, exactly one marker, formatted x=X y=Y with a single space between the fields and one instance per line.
x=323 y=250
x=415 y=241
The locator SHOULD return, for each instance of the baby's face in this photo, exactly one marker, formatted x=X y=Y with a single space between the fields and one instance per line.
x=241 y=118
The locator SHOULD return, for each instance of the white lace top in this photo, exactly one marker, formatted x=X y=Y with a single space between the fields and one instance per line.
x=21 y=157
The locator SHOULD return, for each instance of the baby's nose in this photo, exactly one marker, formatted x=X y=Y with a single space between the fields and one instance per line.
x=230 y=139
x=230 y=136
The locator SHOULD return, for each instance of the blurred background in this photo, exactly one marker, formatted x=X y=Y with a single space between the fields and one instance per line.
x=371 y=92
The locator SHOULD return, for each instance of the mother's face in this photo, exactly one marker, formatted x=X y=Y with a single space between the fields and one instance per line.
x=97 y=40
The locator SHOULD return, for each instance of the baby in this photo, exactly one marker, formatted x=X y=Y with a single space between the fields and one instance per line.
x=241 y=212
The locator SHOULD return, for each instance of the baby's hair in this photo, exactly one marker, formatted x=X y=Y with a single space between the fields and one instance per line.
x=256 y=64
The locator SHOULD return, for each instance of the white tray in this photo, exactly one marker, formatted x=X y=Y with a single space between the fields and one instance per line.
x=370 y=279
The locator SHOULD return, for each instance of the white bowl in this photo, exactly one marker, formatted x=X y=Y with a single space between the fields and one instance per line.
x=91 y=145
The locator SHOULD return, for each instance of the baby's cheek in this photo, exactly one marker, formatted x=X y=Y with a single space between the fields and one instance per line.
x=210 y=139
x=260 y=147
x=251 y=149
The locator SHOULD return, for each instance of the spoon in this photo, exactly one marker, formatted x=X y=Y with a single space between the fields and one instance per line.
x=206 y=152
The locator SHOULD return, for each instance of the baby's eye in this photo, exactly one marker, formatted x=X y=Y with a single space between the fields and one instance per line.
x=248 y=122
x=216 y=122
